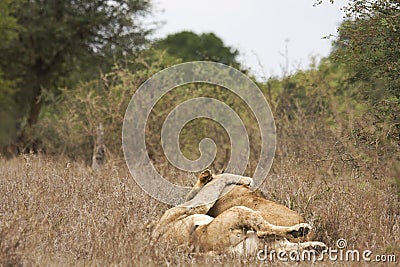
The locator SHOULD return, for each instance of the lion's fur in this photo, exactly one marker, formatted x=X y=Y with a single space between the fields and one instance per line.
x=237 y=229
x=179 y=223
x=272 y=212
x=238 y=195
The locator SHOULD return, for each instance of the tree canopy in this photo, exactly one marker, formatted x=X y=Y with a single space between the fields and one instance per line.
x=190 y=46
x=60 y=55
x=57 y=38
x=8 y=32
x=369 y=42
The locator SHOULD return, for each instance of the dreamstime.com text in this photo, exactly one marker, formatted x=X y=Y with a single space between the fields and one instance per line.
x=340 y=253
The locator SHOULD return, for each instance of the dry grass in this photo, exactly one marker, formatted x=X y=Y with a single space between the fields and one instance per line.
x=56 y=212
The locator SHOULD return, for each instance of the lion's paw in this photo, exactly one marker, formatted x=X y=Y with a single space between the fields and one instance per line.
x=246 y=181
x=300 y=230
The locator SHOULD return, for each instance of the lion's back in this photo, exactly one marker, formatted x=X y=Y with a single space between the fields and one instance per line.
x=272 y=212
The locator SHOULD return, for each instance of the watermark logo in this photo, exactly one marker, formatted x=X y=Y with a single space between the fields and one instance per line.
x=341 y=243
x=151 y=91
x=339 y=253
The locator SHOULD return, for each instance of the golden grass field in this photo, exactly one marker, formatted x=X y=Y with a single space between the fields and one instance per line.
x=57 y=212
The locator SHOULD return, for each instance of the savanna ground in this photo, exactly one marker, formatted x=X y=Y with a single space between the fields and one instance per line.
x=55 y=211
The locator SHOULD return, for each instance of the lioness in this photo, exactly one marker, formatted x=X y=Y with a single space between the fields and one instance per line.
x=236 y=229
x=239 y=195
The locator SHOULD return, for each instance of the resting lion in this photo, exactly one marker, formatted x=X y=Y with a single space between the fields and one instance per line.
x=238 y=195
x=238 y=229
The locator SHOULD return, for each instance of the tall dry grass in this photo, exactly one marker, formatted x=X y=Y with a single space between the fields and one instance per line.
x=57 y=212
x=344 y=179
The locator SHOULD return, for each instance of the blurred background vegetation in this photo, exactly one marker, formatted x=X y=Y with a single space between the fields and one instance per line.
x=66 y=66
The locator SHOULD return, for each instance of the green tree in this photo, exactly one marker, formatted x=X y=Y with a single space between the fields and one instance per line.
x=8 y=32
x=369 y=46
x=369 y=42
x=63 y=38
x=190 y=46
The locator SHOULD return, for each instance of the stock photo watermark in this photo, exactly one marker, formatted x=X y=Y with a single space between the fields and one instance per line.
x=216 y=74
x=338 y=254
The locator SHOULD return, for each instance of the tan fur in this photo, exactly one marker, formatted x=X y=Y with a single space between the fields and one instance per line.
x=179 y=222
x=230 y=229
x=204 y=177
x=238 y=195
x=188 y=223
x=272 y=212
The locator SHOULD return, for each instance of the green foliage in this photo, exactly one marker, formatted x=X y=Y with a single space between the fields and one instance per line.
x=68 y=126
x=8 y=32
x=319 y=2
x=369 y=47
x=190 y=46
x=326 y=103
x=63 y=42
x=311 y=92
x=369 y=43
x=6 y=103
x=8 y=23
x=348 y=101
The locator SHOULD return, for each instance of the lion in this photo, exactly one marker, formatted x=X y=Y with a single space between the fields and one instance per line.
x=239 y=195
x=238 y=229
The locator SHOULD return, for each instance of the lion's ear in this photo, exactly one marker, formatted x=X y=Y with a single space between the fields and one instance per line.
x=205 y=176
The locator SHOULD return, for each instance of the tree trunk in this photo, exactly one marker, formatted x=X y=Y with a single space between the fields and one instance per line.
x=41 y=75
x=35 y=106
